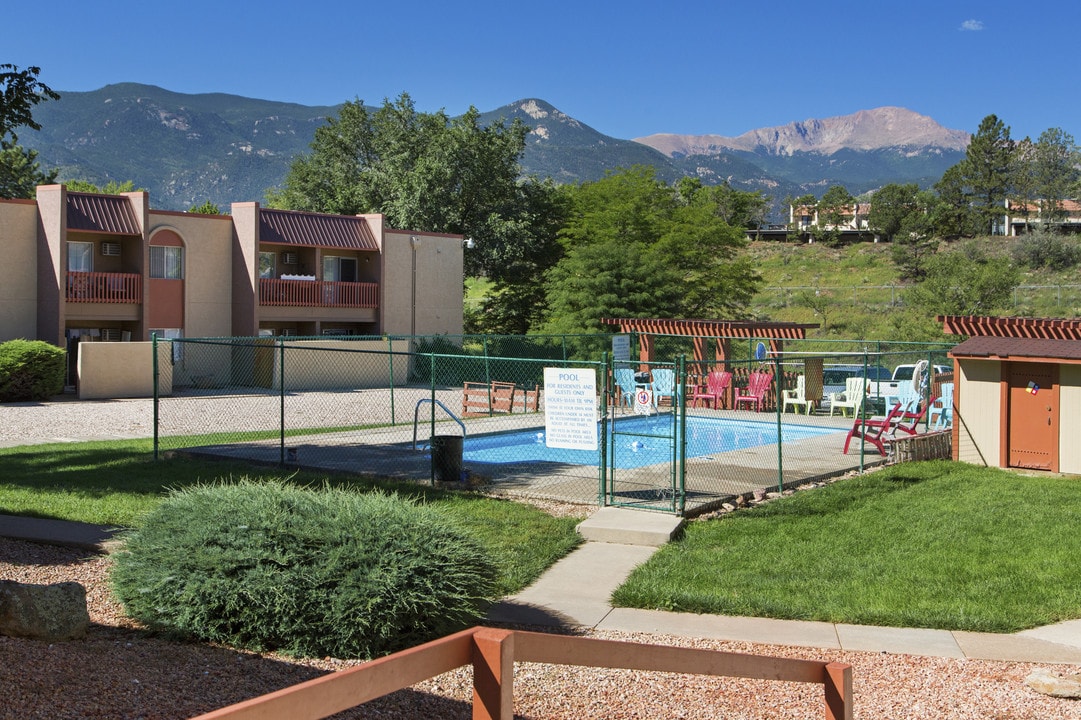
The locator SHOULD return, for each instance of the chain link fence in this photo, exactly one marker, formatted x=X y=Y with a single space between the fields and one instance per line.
x=472 y=410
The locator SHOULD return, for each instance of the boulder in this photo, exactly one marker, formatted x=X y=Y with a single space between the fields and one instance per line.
x=1042 y=681
x=43 y=612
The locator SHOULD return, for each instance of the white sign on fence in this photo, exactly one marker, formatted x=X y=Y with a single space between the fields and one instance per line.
x=621 y=348
x=570 y=408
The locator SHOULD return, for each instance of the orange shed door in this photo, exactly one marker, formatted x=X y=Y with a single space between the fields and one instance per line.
x=1033 y=416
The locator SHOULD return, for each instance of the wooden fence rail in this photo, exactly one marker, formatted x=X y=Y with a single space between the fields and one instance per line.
x=493 y=652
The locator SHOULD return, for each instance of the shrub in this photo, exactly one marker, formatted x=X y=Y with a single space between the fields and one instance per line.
x=1046 y=249
x=305 y=572
x=30 y=370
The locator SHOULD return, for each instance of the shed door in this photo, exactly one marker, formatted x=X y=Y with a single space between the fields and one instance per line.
x=1033 y=416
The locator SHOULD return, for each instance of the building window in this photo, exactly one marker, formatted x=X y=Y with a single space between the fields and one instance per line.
x=339 y=269
x=166 y=262
x=80 y=256
x=266 y=264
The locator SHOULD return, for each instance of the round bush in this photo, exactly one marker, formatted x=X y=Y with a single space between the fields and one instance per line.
x=30 y=370
x=309 y=573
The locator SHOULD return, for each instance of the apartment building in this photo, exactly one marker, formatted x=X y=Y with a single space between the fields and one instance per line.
x=82 y=266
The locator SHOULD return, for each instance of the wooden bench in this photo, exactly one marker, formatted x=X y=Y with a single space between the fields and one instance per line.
x=497 y=397
x=487 y=398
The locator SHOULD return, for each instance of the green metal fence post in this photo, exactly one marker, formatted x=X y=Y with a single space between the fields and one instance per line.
x=390 y=358
x=777 y=383
x=681 y=435
x=431 y=427
x=281 y=396
x=154 y=362
x=602 y=471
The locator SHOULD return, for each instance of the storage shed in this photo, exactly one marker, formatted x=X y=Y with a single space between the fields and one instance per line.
x=1017 y=395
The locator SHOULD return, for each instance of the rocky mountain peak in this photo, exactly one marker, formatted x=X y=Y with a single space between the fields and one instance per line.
x=884 y=127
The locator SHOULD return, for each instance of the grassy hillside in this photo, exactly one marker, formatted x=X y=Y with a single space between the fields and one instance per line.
x=859 y=284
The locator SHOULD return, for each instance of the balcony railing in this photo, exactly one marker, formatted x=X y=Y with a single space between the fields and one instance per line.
x=103 y=287
x=318 y=293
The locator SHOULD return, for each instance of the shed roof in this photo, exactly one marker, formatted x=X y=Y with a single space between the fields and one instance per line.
x=1010 y=348
x=289 y=227
x=111 y=214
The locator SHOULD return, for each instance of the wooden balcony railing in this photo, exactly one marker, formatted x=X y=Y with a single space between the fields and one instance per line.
x=103 y=287
x=318 y=293
x=493 y=653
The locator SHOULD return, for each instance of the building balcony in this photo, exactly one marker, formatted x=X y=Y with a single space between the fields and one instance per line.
x=318 y=293
x=103 y=287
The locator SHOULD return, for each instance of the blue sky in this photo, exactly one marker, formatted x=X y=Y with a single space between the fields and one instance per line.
x=627 y=69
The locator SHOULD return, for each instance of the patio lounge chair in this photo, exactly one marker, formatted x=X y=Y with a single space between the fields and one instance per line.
x=941 y=416
x=877 y=431
x=910 y=419
x=717 y=382
x=664 y=385
x=851 y=398
x=625 y=381
x=755 y=392
x=797 y=396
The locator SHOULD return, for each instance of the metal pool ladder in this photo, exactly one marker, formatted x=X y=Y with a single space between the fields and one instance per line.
x=416 y=416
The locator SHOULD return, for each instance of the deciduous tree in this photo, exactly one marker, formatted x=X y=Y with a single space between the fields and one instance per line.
x=421 y=170
x=636 y=247
x=20 y=91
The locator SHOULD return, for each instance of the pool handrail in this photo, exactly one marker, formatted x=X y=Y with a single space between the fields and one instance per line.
x=416 y=417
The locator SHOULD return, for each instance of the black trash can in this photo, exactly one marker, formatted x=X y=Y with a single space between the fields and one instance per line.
x=447 y=458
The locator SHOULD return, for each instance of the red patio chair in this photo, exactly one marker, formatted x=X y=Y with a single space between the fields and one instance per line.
x=757 y=387
x=717 y=381
x=876 y=430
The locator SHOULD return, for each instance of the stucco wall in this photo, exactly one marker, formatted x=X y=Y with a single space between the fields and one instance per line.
x=977 y=412
x=122 y=370
x=438 y=299
x=341 y=365
x=18 y=276
x=208 y=272
x=1069 y=418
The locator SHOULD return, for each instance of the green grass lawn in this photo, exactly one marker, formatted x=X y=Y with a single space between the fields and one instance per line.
x=118 y=482
x=935 y=544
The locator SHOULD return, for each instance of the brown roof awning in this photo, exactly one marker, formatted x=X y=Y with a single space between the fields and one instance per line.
x=1008 y=348
x=712 y=328
x=111 y=214
x=288 y=227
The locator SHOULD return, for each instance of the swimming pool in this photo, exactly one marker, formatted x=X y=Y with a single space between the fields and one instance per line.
x=639 y=441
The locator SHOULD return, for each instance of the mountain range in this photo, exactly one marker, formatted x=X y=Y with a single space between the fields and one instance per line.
x=189 y=148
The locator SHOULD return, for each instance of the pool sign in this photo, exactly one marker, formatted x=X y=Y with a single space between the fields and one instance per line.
x=621 y=348
x=570 y=408
x=643 y=400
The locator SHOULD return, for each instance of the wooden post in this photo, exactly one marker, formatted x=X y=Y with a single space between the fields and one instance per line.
x=493 y=674
x=837 y=683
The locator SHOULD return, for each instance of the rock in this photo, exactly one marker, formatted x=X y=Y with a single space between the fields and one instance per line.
x=759 y=495
x=43 y=612
x=729 y=507
x=1042 y=681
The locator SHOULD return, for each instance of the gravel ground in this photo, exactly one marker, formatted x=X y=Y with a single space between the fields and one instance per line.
x=121 y=671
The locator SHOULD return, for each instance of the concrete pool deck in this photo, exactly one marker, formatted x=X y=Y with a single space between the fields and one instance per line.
x=710 y=480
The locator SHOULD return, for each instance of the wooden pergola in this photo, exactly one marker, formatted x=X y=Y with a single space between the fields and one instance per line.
x=702 y=331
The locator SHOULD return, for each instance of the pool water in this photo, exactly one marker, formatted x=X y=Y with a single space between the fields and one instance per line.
x=639 y=441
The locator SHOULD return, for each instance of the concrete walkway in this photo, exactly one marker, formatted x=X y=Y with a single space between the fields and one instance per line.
x=575 y=592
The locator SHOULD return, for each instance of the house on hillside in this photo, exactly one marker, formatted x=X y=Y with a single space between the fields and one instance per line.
x=804 y=220
x=94 y=267
x=1022 y=217
x=1017 y=394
